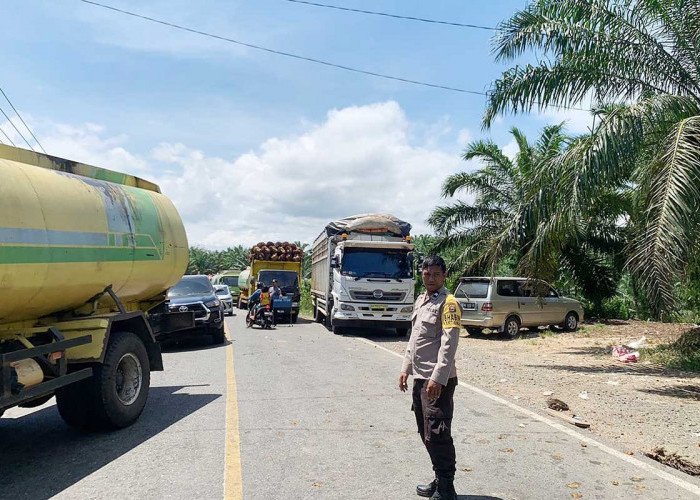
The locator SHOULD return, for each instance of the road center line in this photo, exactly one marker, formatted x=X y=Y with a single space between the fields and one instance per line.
x=233 y=478
x=607 y=449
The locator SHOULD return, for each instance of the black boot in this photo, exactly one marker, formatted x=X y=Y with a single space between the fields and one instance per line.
x=427 y=490
x=445 y=489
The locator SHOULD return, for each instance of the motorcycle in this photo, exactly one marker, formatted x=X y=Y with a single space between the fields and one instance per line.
x=263 y=318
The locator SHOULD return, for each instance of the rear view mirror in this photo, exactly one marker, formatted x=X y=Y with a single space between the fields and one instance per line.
x=334 y=262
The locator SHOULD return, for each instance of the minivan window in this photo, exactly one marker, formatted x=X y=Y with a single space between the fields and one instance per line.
x=472 y=289
x=508 y=288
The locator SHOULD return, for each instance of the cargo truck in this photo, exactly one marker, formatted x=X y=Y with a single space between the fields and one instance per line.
x=86 y=258
x=362 y=274
x=287 y=274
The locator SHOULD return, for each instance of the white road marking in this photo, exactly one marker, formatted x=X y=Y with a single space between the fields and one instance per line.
x=607 y=449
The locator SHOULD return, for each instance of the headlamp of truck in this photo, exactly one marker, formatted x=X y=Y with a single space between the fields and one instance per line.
x=407 y=309
x=346 y=307
x=212 y=303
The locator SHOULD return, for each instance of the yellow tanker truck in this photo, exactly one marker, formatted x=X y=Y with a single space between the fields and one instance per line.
x=86 y=258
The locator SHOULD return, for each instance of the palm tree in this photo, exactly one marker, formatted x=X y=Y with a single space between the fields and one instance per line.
x=502 y=218
x=644 y=56
x=514 y=218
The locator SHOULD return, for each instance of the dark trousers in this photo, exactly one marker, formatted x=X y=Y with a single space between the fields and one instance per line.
x=434 y=419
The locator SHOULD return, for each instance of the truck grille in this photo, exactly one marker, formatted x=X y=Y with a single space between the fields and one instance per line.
x=372 y=296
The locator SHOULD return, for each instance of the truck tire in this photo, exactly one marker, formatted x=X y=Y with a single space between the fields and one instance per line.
x=295 y=317
x=218 y=334
x=318 y=316
x=116 y=394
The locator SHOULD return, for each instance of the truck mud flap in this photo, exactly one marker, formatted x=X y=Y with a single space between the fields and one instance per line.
x=55 y=374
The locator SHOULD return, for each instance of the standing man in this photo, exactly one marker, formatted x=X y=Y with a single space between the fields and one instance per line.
x=430 y=358
x=275 y=290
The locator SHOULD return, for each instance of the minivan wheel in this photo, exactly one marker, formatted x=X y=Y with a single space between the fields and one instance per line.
x=571 y=322
x=511 y=327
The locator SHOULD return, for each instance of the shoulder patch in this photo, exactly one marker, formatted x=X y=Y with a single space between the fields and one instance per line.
x=451 y=314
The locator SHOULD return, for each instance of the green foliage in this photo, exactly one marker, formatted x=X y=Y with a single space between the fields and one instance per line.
x=639 y=52
x=512 y=226
x=305 y=305
x=203 y=261
x=683 y=354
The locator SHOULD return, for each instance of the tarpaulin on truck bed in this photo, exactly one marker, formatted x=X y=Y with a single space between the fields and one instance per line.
x=369 y=223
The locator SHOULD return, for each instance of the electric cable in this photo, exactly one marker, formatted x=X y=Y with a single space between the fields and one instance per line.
x=396 y=16
x=303 y=58
x=16 y=129
x=22 y=120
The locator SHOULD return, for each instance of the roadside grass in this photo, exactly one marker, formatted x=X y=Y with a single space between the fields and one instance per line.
x=683 y=354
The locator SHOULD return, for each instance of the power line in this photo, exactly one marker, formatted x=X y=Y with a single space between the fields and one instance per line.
x=304 y=58
x=5 y=133
x=16 y=129
x=396 y=16
x=286 y=54
x=22 y=120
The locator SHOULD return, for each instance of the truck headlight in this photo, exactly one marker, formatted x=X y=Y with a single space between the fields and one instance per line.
x=295 y=304
x=212 y=303
x=346 y=307
x=407 y=309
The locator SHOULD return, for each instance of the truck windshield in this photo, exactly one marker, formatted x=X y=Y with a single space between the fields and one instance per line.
x=376 y=263
x=231 y=281
x=191 y=287
x=287 y=280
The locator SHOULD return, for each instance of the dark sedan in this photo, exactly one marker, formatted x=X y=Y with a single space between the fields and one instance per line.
x=195 y=293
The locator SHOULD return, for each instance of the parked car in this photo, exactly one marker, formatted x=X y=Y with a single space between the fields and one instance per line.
x=507 y=304
x=196 y=293
x=224 y=295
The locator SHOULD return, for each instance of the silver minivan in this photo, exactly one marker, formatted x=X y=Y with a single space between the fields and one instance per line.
x=507 y=304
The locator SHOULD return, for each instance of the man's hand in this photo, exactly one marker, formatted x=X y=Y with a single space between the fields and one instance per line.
x=403 y=382
x=434 y=389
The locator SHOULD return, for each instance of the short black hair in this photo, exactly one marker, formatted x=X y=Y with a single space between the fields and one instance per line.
x=435 y=260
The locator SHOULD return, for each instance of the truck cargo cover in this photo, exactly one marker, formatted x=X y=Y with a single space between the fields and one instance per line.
x=369 y=223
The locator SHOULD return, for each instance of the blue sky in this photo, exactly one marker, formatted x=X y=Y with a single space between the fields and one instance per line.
x=174 y=107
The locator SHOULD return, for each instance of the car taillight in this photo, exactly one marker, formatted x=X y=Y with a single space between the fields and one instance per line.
x=267 y=307
x=487 y=307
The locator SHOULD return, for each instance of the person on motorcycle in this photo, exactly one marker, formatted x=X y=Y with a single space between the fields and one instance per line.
x=258 y=300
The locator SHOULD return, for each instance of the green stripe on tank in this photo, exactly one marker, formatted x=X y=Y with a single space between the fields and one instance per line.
x=46 y=255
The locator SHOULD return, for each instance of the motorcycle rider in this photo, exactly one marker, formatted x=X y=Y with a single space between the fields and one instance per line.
x=258 y=300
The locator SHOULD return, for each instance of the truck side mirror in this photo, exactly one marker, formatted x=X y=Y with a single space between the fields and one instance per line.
x=411 y=257
x=334 y=262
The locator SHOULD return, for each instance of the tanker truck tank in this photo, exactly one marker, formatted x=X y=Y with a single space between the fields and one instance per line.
x=86 y=258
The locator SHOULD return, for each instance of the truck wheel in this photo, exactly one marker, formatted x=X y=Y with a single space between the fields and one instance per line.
x=402 y=332
x=218 y=335
x=116 y=394
x=295 y=317
x=338 y=330
x=318 y=316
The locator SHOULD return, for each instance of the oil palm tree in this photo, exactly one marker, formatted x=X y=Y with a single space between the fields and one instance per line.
x=643 y=56
x=503 y=216
x=514 y=215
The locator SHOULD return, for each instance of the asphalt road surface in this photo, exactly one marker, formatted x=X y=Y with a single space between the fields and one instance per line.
x=297 y=412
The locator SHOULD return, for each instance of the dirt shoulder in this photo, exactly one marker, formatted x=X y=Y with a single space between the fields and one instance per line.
x=640 y=406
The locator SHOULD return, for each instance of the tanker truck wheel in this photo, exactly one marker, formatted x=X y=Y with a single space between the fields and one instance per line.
x=116 y=394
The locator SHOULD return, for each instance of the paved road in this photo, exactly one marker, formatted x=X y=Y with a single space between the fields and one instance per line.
x=316 y=416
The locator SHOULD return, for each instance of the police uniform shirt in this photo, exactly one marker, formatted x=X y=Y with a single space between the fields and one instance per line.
x=430 y=353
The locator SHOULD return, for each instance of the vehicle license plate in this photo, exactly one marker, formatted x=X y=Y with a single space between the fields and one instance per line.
x=469 y=306
x=378 y=308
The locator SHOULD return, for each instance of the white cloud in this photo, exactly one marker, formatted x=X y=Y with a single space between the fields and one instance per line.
x=511 y=149
x=359 y=159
